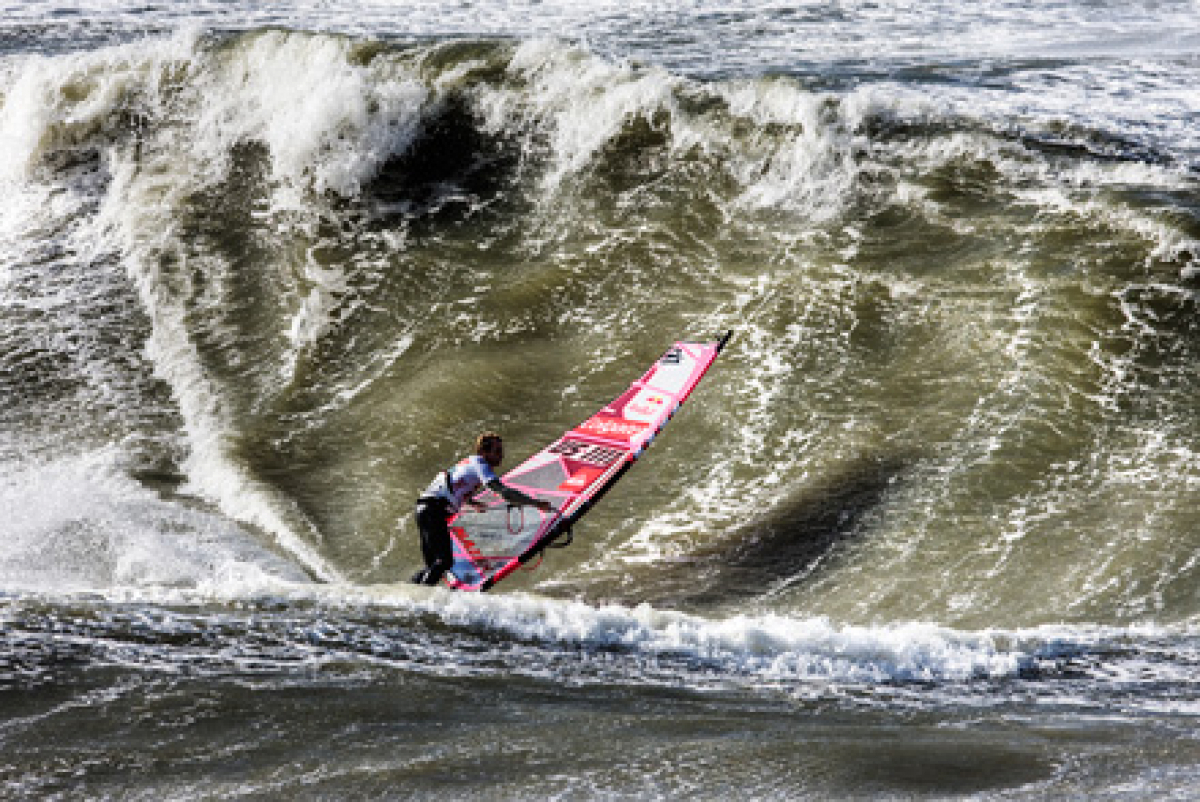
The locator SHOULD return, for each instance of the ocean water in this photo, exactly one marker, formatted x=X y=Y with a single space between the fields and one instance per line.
x=928 y=530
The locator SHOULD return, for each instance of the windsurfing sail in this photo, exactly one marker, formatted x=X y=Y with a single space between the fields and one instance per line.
x=573 y=472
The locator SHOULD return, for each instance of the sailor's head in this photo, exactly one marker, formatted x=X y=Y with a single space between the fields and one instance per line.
x=489 y=446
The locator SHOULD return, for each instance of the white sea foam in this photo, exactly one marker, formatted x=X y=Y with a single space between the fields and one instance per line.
x=326 y=122
x=769 y=646
x=781 y=651
x=582 y=101
x=814 y=167
x=728 y=35
x=79 y=523
x=585 y=102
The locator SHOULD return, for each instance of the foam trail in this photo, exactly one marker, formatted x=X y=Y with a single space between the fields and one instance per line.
x=804 y=654
x=765 y=648
x=211 y=471
x=768 y=646
x=315 y=315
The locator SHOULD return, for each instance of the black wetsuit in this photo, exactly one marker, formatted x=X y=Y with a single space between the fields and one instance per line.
x=436 y=547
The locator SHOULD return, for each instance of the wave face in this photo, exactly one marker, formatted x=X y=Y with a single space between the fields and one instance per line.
x=259 y=281
x=290 y=274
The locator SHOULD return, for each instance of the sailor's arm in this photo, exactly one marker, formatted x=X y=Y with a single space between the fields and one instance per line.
x=514 y=496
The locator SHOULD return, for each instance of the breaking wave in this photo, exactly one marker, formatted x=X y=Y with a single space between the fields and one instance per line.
x=287 y=275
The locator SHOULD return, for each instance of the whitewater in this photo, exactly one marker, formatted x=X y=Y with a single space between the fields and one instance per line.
x=929 y=528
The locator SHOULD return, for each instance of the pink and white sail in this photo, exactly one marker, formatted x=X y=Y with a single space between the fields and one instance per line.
x=574 y=471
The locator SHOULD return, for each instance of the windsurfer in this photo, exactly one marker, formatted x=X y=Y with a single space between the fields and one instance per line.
x=447 y=493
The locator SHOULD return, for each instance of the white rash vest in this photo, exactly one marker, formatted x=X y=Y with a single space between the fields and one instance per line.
x=465 y=479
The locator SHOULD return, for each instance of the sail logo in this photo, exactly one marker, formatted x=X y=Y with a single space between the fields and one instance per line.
x=579 y=451
x=647 y=406
x=612 y=427
x=576 y=482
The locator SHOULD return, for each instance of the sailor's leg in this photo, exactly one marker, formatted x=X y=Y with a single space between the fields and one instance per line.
x=436 y=545
x=422 y=517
